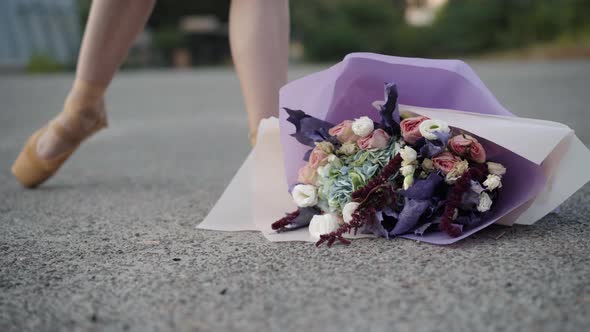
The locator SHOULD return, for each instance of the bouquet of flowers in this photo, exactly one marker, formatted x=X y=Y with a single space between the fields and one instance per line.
x=397 y=147
x=390 y=177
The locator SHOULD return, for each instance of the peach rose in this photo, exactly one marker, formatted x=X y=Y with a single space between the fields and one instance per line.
x=411 y=128
x=445 y=161
x=378 y=139
x=468 y=146
x=307 y=175
x=317 y=158
x=343 y=132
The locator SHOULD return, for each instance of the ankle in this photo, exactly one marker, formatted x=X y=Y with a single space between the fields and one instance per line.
x=87 y=90
x=86 y=101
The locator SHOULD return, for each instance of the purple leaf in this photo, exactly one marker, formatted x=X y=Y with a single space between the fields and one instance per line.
x=424 y=188
x=308 y=130
x=389 y=111
x=432 y=148
x=410 y=215
x=375 y=226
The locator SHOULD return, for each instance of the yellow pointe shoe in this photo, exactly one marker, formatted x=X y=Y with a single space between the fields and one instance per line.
x=31 y=170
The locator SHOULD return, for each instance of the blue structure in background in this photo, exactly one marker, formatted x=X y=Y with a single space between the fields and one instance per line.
x=38 y=27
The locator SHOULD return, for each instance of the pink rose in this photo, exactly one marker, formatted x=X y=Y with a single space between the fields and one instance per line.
x=307 y=175
x=317 y=158
x=465 y=145
x=445 y=161
x=477 y=153
x=343 y=132
x=378 y=139
x=411 y=128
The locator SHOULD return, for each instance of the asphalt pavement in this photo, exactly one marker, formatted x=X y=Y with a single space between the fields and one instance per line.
x=110 y=243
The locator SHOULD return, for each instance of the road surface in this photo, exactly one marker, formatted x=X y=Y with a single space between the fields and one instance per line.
x=110 y=243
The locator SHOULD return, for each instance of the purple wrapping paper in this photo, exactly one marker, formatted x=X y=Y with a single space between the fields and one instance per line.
x=347 y=89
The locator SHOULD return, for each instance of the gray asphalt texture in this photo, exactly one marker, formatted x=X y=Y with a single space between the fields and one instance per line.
x=110 y=242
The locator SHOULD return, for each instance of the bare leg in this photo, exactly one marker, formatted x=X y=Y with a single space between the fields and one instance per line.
x=111 y=28
x=259 y=38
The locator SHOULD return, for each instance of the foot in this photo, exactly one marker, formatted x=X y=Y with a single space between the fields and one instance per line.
x=83 y=112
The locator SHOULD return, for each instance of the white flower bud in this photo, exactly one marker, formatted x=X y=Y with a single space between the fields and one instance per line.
x=408 y=154
x=323 y=224
x=363 y=126
x=492 y=182
x=407 y=170
x=348 y=210
x=485 y=202
x=408 y=181
x=305 y=195
x=496 y=168
x=429 y=127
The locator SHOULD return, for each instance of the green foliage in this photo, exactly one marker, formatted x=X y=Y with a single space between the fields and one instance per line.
x=40 y=63
x=167 y=39
x=329 y=29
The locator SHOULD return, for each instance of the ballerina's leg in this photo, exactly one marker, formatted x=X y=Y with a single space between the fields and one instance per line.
x=111 y=28
x=259 y=39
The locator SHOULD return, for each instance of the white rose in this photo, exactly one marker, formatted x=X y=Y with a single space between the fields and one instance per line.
x=408 y=154
x=348 y=210
x=363 y=126
x=323 y=224
x=492 y=182
x=485 y=202
x=305 y=195
x=495 y=168
x=408 y=181
x=407 y=170
x=429 y=127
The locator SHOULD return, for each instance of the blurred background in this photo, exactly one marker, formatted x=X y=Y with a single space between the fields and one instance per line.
x=44 y=35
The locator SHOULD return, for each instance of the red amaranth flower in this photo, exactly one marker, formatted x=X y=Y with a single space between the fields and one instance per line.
x=285 y=221
x=372 y=196
x=477 y=173
x=358 y=220
x=377 y=198
x=392 y=166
